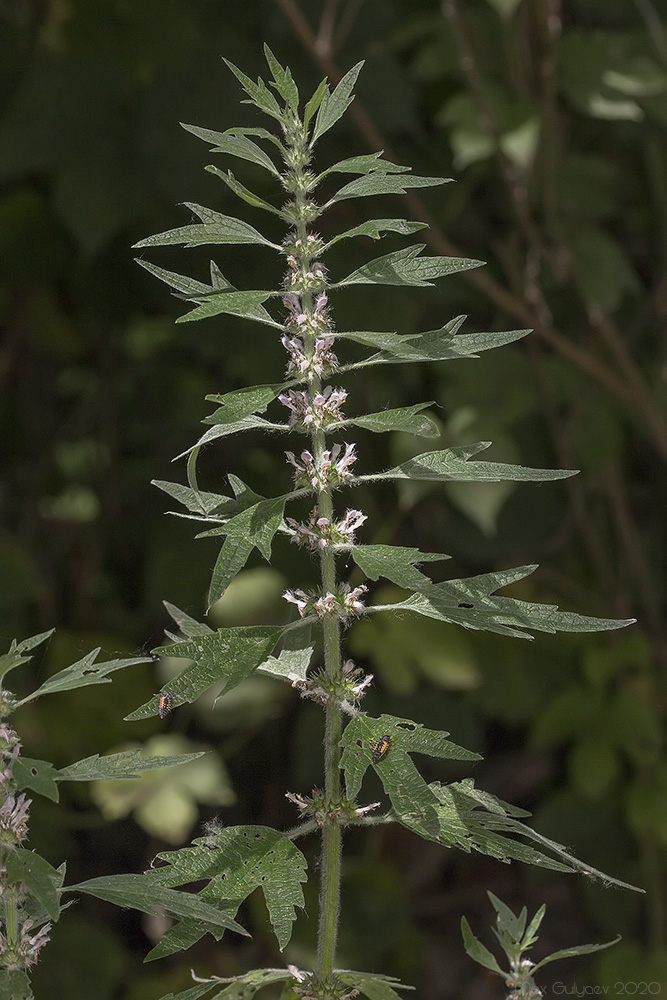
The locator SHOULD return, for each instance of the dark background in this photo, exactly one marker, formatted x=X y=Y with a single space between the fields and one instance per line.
x=555 y=133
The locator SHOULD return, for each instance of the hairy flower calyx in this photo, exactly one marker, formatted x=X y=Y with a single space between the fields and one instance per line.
x=330 y=470
x=343 y=603
x=321 y=533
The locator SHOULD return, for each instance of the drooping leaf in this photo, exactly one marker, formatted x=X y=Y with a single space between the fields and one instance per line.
x=43 y=881
x=334 y=105
x=235 y=145
x=229 y=654
x=144 y=893
x=225 y=428
x=252 y=528
x=283 y=80
x=242 y=192
x=375 y=228
x=413 y=801
x=473 y=604
x=189 y=287
x=214 y=228
x=259 y=93
x=128 y=764
x=372 y=985
x=408 y=419
x=376 y=183
x=16 y=654
x=236 y=861
x=396 y=563
x=407 y=267
x=452 y=464
x=82 y=674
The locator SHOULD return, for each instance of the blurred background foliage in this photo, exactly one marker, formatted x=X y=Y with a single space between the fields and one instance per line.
x=552 y=119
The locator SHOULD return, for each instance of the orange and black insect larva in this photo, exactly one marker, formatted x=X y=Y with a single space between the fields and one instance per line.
x=164 y=705
x=379 y=748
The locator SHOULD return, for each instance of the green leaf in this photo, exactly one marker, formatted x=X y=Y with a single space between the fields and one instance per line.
x=43 y=881
x=188 y=286
x=334 y=105
x=142 y=892
x=261 y=133
x=235 y=145
x=82 y=674
x=16 y=654
x=15 y=985
x=406 y=267
x=404 y=418
x=38 y=775
x=128 y=764
x=371 y=184
x=376 y=227
x=395 y=563
x=214 y=228
x=366 y=164
x=197 y=501
x=315 y=102
x=242 y=403
x=242 y=192
x=190 y=627
x=224 y=429
x=258 y=92
x=469 y=602
x=412 y=799
x=230 y=654
x=194 y=993
x=253 y=528
x=284 y=82
x=580 y=949
x=293 y=660
x=477 y=951
x=452 y=464
x=371 y=985
x=247 y=304
x=434 y=345
x=235 y=862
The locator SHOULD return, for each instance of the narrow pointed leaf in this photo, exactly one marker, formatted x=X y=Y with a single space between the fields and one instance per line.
x=224 y=429
x=452 y=464
x=407 y=267
x=284 y=81
x=472 y=603
x=477 y=951
x=215 y=228
x=247 y=304
x=372 y=184
x=371 y=985
x=196 y=501
x=242 y=192
x=408 y=419
x=259 y=93
x=82 y=674
x=260 y=133
x=580 y=949
x=235 y=145
x=235 y=862
x=16 y=654
x=396 y=563
x=228 y=655
x=190 y=627
x=314 y=102
x=140 y=892
x=127 y=764
x=334 y=105
x=375 y=229
x=188 y=286
x=252 y=528
x=366 y=164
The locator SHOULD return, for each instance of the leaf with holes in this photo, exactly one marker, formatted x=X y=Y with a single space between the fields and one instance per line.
x=413 y=801
x=236 y=861
x=229 y=655
x=83 y=673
